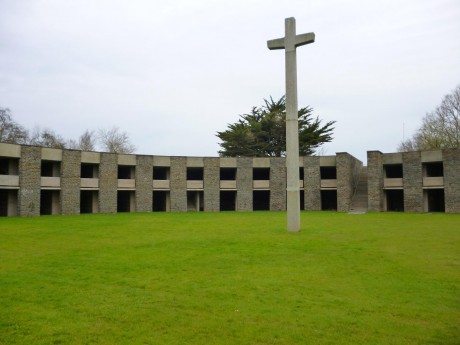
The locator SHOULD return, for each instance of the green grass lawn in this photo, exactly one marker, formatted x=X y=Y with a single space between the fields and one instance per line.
x=230 y=278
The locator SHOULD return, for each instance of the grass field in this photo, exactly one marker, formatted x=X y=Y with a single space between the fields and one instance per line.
x=230 y=278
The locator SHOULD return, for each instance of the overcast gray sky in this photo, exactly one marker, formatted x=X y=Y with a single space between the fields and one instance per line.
x=172 y=73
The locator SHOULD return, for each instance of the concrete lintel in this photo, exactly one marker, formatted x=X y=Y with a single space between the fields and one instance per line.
x=431 y=156
x=161 y=161
x=49 y=154
x=392 y=158
x=261 y=162
x=10 y=150
x=126 y=159
x=228 y=162
x=327 y=161
x=90 y=157
x=195 y=162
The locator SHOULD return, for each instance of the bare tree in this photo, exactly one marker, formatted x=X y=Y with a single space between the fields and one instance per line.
x=440 y=129
x=10 y=131
x=46 y=138
x=72 y=144
x=87 y=141
x=112 y=140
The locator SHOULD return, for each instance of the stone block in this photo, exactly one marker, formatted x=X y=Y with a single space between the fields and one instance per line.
x=29 y=176
x=70 y=182
x=178 y=184
x=277 y=184
x=211 y=184
x=244 y=184
x=452 y=180
x=312 y=183
x=108 y=183
x=412 y=182
x=144 y=185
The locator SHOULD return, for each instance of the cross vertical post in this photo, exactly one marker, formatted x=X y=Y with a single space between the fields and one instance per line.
x=289 y=43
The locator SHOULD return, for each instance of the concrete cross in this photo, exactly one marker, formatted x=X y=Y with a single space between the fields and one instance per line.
x=289 y=43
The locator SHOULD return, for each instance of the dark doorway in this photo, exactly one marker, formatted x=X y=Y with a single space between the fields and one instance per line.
x=395 y=200
x=329 y=200
x=261 y=200
x=124 y=200
x=195 y=201
x=160 y=201
x=49 y=202
x=228 y=200
x=302 y=200
x=435 y=198
x=88 y=201
x=4 y=202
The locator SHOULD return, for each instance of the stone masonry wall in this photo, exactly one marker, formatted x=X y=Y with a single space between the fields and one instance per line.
x=29 y=181
x=451 y=160
x=108 y=183
x=70 y=182
x=412 y=182
x=312 y=183
x=144 y=186
x=277 y=184
x=211 y=184
x=348 y=168
x=344 y=181
x=178 y=184
x=244 y=184
x=375 y=181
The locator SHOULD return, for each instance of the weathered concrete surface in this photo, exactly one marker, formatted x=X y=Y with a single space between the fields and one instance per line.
x=289 y=43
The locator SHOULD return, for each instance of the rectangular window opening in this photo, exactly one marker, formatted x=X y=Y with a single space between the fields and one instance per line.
x=393 y=170
x=126 y=172
x=227 y=174
x=433 y=169
x=195 y=174
x=161 y=173
x=261 y=174
x=9 y=166
x=328 y=173
x=89 y=170
x=50 y=169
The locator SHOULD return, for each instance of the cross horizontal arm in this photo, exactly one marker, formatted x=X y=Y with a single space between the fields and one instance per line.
x=301 y=40
x=277 y=43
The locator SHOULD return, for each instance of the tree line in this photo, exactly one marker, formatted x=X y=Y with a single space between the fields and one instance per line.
x=109 y=140
x=440 y=128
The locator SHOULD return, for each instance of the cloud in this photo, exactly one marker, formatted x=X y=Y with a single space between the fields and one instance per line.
x=173 y=73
